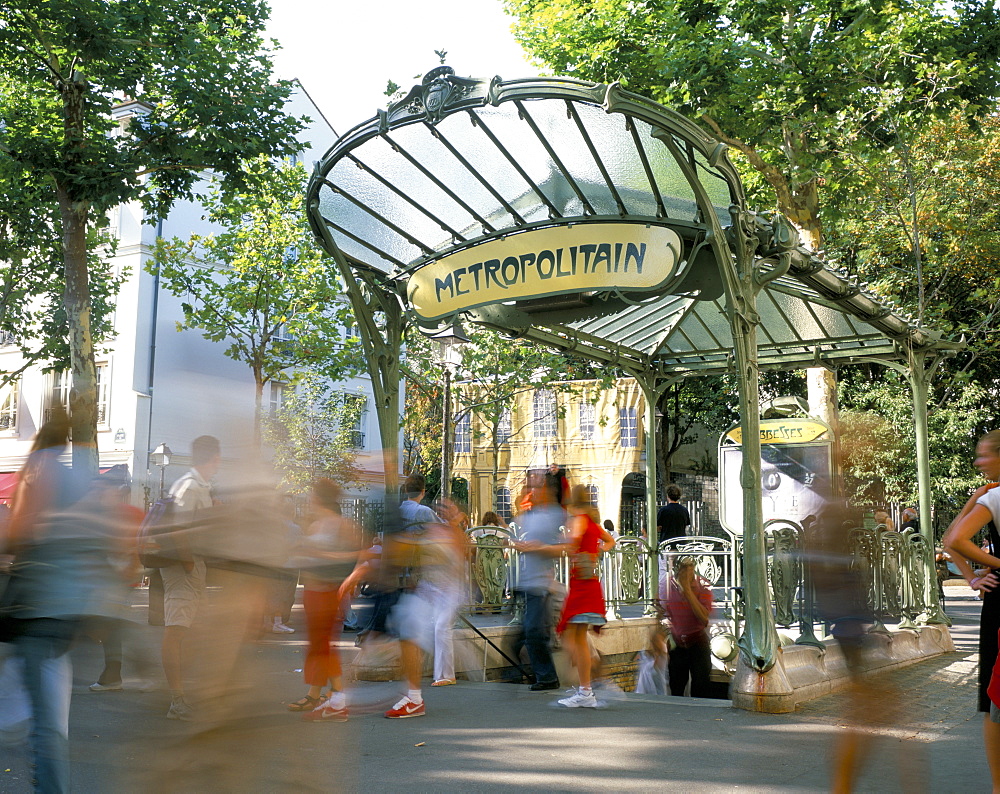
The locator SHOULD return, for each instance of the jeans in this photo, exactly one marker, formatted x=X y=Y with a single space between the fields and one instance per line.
x=48 y=677
x=537 y=636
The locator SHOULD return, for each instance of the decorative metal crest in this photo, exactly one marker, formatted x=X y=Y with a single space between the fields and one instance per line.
x=439 y=89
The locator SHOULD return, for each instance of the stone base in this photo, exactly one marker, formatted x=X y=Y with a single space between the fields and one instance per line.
x=477 y=660
x=804 y=672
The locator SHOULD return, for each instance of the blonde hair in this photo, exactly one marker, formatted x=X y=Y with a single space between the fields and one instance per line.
x=579 y=500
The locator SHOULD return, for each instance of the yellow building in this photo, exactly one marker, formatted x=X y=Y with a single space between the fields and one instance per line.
x=596 y=435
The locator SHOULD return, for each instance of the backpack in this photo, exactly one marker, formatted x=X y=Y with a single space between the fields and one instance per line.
x=157 y=552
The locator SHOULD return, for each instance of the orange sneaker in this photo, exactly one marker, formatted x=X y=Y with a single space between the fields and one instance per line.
x=405 y=708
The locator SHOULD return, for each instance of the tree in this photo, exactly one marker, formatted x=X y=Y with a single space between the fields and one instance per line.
x=922 y=228
x=314 y=434
x=111 y=102
x=799 y=91
x=262 y=284
x=784 y=84
x=32 y=315
x=879 y=453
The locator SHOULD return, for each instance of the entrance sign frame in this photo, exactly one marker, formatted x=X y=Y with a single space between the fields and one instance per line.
x=463 y=163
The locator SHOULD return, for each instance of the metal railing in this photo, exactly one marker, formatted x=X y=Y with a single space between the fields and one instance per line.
x=889 y=562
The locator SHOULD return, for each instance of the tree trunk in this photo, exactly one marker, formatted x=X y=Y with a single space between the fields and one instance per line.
x=258 y=408
x=77 y=303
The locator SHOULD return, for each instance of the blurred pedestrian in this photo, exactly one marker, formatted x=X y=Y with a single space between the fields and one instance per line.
x=281 y=590
x=983 y=510
x=540 y=543
x=584 y=607
x=413 y=613
x=651 y=663
x=112 y=633
x=184 y=581
x=441 y=580
x=61 y=573
x=326 y=556
x=688 y=607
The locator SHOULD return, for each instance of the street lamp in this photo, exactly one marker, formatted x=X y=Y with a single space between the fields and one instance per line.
x=161 y=459
x=450 y=356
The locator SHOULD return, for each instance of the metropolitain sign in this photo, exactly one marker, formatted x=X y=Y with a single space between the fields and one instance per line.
x=543 y=262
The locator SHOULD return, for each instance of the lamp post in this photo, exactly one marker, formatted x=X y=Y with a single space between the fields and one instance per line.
x=449 y=354
x=161 y=459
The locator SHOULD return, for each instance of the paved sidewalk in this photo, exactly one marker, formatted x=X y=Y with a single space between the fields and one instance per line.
x=500 y=738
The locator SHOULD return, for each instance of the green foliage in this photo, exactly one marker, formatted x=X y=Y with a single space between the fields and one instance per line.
x=313 y=434
x=787 y=85
x=878 y=448
x=919 y=223
x=490 y=372
x=262 y=285
x=104 y=103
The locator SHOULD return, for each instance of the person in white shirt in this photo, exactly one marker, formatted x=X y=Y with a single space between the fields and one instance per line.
x=184 y=582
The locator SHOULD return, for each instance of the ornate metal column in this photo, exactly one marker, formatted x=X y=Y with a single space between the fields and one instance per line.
x=651 y=393
x=372 y=297
x=919 y=372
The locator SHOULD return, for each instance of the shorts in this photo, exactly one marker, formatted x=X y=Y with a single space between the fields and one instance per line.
x=590 y=618
x=182 y=593
x=413 y=620
x=994 y=712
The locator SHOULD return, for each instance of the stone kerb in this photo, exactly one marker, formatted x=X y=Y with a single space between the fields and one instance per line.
x=804 y=672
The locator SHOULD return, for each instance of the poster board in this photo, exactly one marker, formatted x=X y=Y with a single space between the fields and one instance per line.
x=796 y=457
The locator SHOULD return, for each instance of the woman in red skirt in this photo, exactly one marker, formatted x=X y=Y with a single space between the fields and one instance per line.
x=584 y=606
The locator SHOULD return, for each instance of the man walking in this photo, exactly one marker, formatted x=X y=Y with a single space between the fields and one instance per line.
x=541 y=543
x=184 y=581
x=673 y=519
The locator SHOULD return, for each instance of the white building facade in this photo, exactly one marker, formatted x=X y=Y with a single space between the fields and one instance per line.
x=158 y=385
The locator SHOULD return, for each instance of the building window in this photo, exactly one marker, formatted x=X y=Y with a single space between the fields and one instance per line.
x=279 y=394
x=11 y=395
x=463 y=434
x=504 y=427
x=356 y=407
x=593 y=493
x=628 y=427
x=501 y=503
x=544 y=404
x=587 y=420
x=62 y=382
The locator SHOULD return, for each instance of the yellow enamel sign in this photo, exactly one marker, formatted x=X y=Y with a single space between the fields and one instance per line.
x=543 y=262
x=783 y=431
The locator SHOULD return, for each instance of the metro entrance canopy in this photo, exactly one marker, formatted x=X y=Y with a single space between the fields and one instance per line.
x=592 y=220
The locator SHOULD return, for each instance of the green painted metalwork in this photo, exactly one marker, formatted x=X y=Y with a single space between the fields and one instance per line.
x=784 y=568
x=461 y=161
x=631 y=555
x=488 y=559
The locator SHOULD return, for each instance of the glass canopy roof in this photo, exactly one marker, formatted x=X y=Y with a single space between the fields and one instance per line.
x=461 y=163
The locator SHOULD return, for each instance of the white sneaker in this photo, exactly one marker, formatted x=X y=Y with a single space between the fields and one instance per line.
x=281 y=628
x=99 y=687
x=580 y=700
